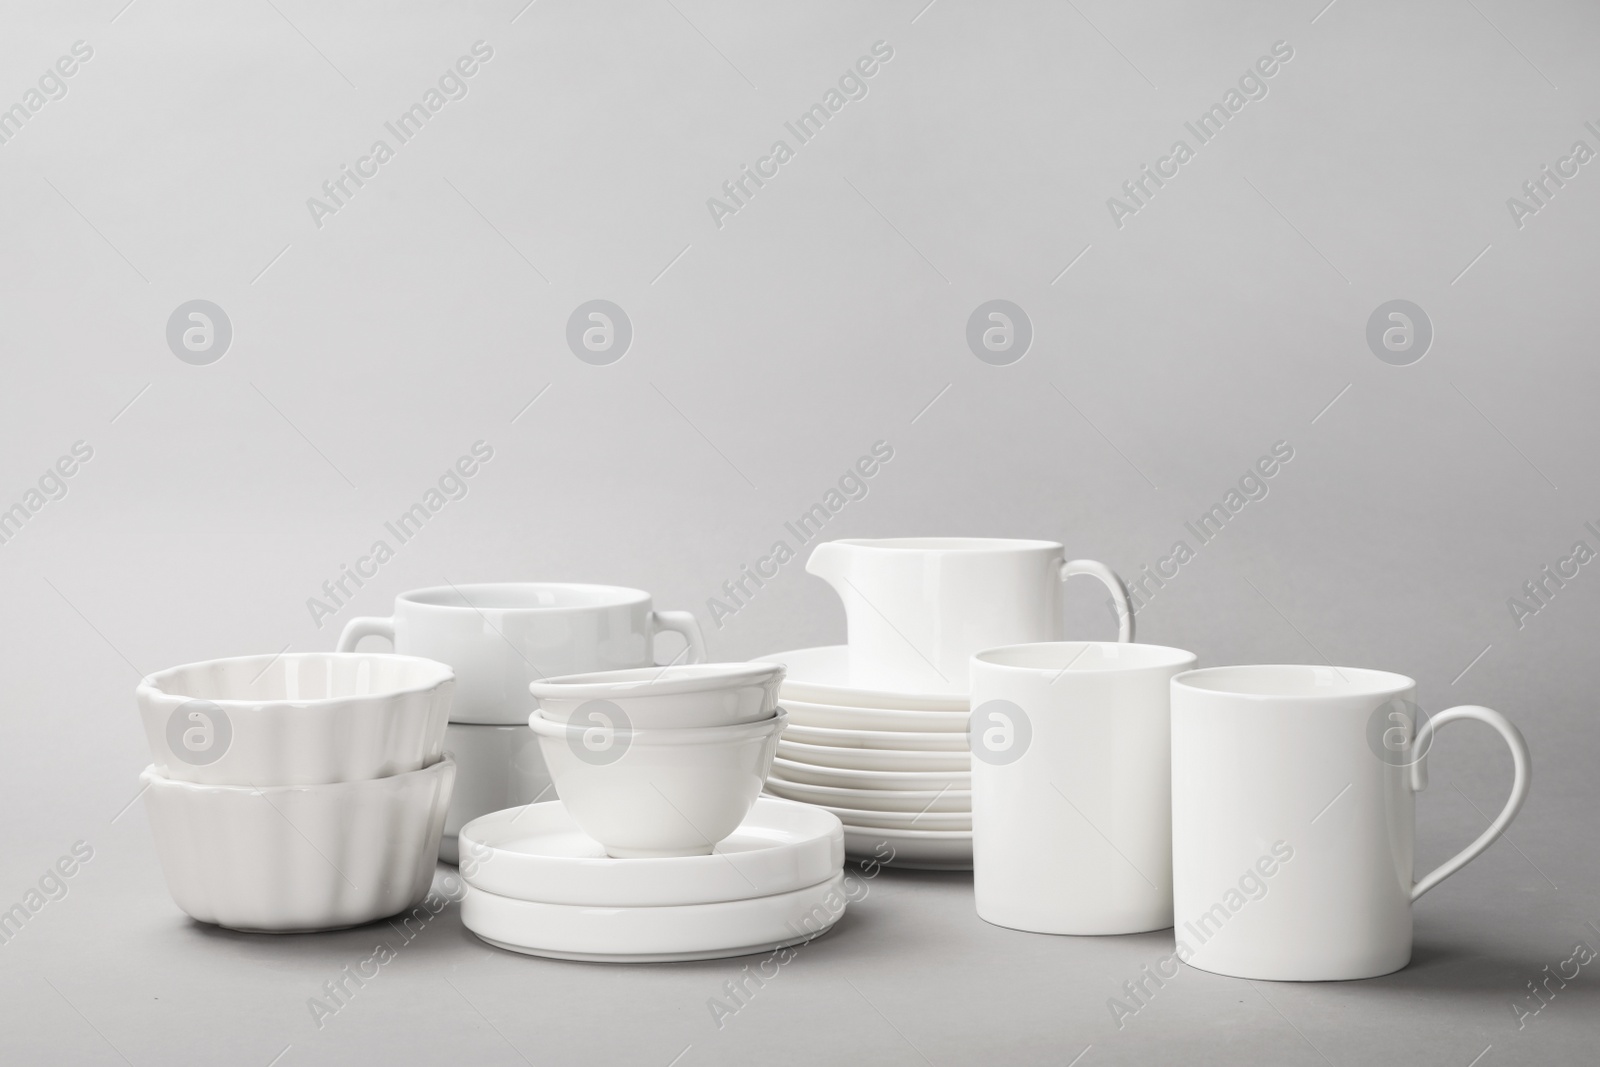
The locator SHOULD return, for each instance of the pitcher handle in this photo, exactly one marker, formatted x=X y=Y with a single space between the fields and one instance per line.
x=1521 y=778
x=1109 y=579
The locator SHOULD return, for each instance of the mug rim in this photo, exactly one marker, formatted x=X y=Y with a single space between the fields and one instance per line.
x=1360 y=682
x=1162 y=657
x=948 y=544
x=616 y=596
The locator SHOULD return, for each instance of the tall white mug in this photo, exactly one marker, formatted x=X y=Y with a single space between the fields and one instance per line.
x=1071 y=786
x=1293 y=800
x=499 y=637
x=917 y=608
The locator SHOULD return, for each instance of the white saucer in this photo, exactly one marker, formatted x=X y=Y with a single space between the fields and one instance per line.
x=845 y=778
x=873 y=799
x=858 y=818
x=537 y=852
x=856 y=717
x=655 y=935
x=904 y=740
x=873 y=759
x=823 y=676
x=926 y=850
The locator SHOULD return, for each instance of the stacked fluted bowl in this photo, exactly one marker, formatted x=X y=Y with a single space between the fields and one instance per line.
x=297 y=792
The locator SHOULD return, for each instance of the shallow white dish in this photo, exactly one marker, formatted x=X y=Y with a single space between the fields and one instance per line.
x=284 y=859
x=927 y=850
x=497 y=767
x=872 y=759
x=844 y=777
x=538 y=853
x=655 y=935
x=855 y=717
x=681 y=696
x=302 y=718
x=872 y=799
x=824 y=676
x=904 y=740
x=903 y=820
x=652 y=793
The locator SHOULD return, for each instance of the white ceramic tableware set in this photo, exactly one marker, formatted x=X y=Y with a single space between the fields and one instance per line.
x=499 y=637
x=660 y=847
x=877 y=728
x=297 y=792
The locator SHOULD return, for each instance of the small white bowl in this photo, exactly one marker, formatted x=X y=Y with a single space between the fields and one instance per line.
x=287 y=859
x=654 y=698
x=307 y=718
x=658 y=792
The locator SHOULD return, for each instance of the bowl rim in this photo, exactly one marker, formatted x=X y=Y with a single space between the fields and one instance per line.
x=150 y=687
x=612 y=596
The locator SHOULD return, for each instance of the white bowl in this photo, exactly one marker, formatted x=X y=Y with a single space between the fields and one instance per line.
x=906 y=740
x=872 y=759
x=658 y=792
x=856 y=717
x=673 y=697
x=284 y=859
x=306 y=718
x=497 y=767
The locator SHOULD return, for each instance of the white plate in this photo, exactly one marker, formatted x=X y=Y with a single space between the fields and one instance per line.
x=538 y=853
x=852 y=717
x=655 y=935
x=927 y=850
x=905 y=740
x=823 y=676
x=873 y=759
x=903 y=820
x=873 y=799
x=845 y=778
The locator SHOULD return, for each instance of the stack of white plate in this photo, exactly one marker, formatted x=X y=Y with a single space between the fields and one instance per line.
x=893 y=766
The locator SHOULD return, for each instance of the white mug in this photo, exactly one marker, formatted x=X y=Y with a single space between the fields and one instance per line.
x=1071 y=786
x=917 y=608
x=1293 y=800
x=499 y=637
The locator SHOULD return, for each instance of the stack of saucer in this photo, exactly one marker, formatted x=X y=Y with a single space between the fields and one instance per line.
x=894 y=766
x=298 y=792
x=659 y=848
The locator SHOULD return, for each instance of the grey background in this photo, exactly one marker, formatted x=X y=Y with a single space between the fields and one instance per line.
x=829 y=313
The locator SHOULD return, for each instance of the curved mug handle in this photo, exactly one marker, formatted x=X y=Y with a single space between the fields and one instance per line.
x=685 y=623
x=364 y=626
x=1521 y=777
x=1109 y=579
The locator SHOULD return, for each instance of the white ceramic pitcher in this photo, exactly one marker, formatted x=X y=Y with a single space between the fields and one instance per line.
x=917 y=608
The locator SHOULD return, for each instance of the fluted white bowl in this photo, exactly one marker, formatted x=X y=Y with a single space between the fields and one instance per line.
x=283 y=859
x=307 y=718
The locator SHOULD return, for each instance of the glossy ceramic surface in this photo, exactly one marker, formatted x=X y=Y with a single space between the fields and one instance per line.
x=655 y=935
x=1293 y=801
x=499 y=637
x=497 y=767
x=917 y=608
x=671 y=697
x=1072 y=787
x=832 y=675
x=539 y=853
x=306 y=718
x=294 y=858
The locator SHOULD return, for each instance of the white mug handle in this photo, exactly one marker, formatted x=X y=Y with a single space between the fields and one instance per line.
x=364 y=626
x=1109 y=579
x=685 y=623
x=1521 y=777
